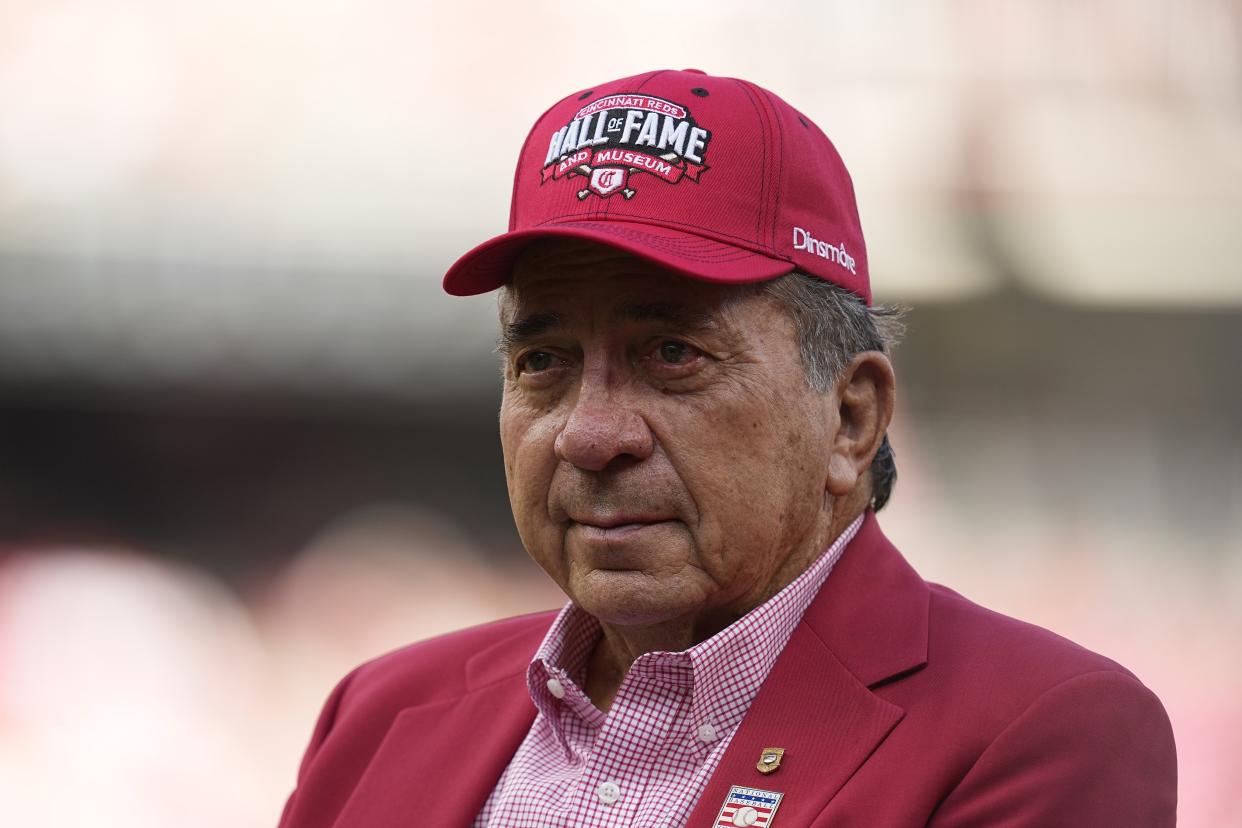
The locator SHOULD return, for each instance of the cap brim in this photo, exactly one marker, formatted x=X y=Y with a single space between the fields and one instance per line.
x=490 y=265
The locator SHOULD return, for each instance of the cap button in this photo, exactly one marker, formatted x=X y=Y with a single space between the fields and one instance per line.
x=695 y=71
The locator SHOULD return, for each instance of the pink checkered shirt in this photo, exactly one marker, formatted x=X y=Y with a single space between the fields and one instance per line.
x=646 y=762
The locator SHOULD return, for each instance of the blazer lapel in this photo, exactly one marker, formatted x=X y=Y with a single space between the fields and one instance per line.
x=868 y=625
x=439 y=761
x=825 y=720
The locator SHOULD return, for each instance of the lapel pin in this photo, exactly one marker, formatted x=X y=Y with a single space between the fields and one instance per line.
x=748 y=808
x=770 y=760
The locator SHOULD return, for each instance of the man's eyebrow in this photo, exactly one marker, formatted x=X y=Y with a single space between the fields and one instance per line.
x=526 y=328
x=673 y=314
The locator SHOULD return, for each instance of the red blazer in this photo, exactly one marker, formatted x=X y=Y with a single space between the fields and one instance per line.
x=898 y=703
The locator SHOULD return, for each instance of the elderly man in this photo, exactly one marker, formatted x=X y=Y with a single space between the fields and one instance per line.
x=696 y=397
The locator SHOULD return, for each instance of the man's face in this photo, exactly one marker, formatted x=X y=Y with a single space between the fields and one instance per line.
x=665 y=456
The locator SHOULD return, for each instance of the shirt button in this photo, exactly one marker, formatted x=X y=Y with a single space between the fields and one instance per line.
x=608 y=792
x=556 y=688
x=707 y=733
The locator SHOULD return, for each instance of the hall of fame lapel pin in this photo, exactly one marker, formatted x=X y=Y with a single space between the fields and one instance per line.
x=770 y=760
x=748 y=807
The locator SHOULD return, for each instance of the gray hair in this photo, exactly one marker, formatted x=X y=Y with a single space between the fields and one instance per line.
x=833 y=326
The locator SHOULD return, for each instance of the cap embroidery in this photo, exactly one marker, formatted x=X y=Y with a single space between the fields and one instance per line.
x=835 y=253
x=618 y=135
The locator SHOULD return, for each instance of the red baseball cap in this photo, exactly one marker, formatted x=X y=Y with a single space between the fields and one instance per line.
x=713 y=178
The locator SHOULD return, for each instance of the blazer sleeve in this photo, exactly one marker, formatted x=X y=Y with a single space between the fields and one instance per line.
x=1096 y=749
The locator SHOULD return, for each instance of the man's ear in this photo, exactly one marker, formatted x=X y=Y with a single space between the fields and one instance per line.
x=865 y=394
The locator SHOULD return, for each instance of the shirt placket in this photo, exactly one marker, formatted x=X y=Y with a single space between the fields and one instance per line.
x=647 y=714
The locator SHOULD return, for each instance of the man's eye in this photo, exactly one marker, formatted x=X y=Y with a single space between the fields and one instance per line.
x=676 y=353
x=536 y=361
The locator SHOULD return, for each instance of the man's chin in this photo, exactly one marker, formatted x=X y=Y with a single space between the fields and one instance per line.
x=630 y=598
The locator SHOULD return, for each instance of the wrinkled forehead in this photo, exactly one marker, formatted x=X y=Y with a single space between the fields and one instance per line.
x=573 y=277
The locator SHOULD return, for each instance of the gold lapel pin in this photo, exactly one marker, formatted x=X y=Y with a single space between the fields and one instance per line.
x=770 y=760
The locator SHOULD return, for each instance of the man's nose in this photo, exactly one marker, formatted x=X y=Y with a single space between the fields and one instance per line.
x=601 y=430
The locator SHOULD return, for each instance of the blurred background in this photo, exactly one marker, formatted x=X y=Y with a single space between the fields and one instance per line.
x=246 y=443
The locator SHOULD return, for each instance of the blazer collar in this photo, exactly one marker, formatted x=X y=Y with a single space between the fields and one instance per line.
x=867 y=625
x=872 y=612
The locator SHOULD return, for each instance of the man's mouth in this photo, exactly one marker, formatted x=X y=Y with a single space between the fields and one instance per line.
x=616 y=527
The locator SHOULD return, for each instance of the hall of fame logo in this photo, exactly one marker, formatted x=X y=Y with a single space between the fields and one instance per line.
x=748 y=808
x=614 y=137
